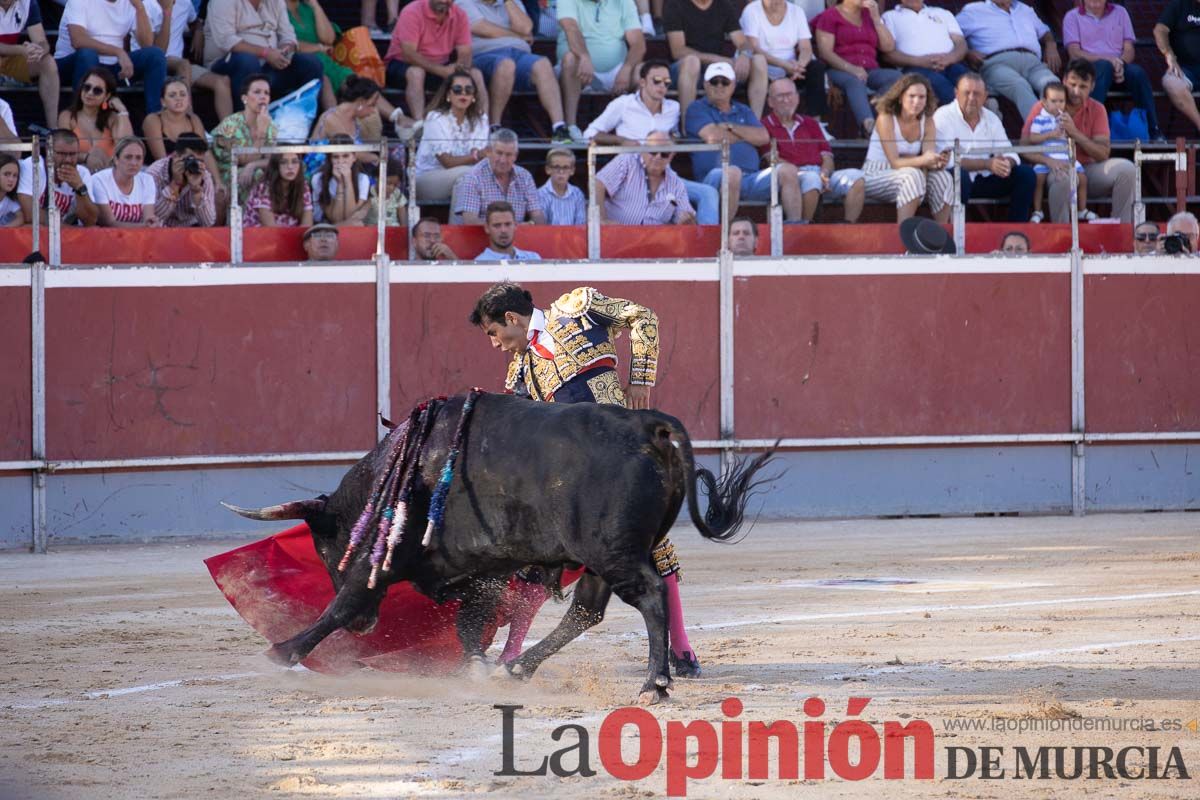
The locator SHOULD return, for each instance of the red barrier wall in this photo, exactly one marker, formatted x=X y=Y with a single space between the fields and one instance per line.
x=902 y=355
x=1142 y=334
x=435 y=351
x=16 y=409
x=195 y=245
x=209 y=370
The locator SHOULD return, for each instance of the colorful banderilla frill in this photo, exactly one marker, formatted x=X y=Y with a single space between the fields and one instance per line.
x=386 y=512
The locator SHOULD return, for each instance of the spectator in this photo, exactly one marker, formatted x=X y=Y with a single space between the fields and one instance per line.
x=1086 y=123
x=715 y=119
x=250 y=127
x=395 y=204
x=125 y=196
x=454 y=139
x=1184 y=224
x=995 y=171
x=98 y=118
x=500 y=224
x=31 y=59
x=778 y=31
x=254 y=37
x=316 y=36
x=903 y=163
x=184 y=190
x=1046 y=128
x=631 y=117
x=321 y=242
x=427 y=234
x=499 y=29
x=642 y=189
x=1012 y=48
x=168 y=20
x=176 y=119
x=1014 y=243
x=72 y=181
x=359 y=113
x=92 y=33
x=426 y=34
x=282 y=198
x=799 y=142
x=497 y=177
x=1177 y=36
x=11 y=215
x=1102 y=32
x=849 y=38
x=342 y=191
x=743 y=237
x=8 y=127
x=696 y=31
x=1145 y=239
x=598 y=49
x=929 y=42
x=562 y=202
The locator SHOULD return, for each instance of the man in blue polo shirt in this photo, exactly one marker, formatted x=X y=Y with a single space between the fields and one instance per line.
x=716 y=118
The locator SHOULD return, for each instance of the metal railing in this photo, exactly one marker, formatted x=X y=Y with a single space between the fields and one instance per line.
x=33 y=147
x=235 y=209
x=959 y=213
x=1182 y=176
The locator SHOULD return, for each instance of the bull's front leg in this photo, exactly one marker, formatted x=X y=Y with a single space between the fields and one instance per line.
x=351 y=601
x=476 y=612
x=588 y=601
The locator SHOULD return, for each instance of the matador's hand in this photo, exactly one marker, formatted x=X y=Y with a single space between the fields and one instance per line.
x=637 y=396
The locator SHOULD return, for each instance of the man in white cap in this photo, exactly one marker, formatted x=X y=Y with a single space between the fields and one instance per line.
x=321 y=242
x=716 y=118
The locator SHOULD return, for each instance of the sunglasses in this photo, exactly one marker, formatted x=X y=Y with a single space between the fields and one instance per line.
x=462 y=88
x=719 y=81
x=661 y=82
x=1146 y=237
x=91 y=88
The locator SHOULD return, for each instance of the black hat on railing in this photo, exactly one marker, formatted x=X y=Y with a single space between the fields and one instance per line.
x=924 y=237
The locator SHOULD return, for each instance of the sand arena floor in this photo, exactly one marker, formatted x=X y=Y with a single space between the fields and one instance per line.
x=125 y=674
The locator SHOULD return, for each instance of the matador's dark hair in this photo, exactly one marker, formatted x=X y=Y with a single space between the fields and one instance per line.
x=500 y=299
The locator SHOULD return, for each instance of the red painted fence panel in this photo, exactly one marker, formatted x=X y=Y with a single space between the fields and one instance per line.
x=16 y=405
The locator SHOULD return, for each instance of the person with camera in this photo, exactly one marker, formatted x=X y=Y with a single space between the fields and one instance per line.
x=185 y=196
x=1183 y=235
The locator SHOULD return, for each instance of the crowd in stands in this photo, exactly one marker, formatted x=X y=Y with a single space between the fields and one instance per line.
x=916 y=79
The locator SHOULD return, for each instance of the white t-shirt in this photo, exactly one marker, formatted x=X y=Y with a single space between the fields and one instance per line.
x=8 y=209
x=6 y=115
x=779 y=41
x=318 y=180
x=64 y=195
x=183 y=13
x=926 y=33
x=124 y=207
x=105 y=21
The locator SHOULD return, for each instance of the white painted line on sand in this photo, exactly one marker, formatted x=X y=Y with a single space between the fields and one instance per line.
x=895 y=612
x=1034 y=654
x=128 y=690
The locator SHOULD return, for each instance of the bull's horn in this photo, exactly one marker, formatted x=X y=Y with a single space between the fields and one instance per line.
x=297 y=509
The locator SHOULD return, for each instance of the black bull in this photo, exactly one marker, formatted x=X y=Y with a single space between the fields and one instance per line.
x=550 y=485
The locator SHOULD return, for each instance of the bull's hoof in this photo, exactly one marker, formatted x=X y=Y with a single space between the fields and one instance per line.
x=477 y=668
x=664 y=682
x=511 y=671
x=362 y=627
x=652 y=696
x=283 y=656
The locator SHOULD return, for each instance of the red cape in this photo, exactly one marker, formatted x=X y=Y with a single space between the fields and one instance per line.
x=280 y=586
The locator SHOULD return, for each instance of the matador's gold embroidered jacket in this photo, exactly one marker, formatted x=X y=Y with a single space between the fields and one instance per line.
x=584 y=326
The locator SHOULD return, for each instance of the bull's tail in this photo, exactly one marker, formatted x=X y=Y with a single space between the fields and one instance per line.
x=727 y=495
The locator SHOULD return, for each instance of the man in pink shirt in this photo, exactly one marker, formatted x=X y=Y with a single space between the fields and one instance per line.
x=1086 y=124
x=427 y=34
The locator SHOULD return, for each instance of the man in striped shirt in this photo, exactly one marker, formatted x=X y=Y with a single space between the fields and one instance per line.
x=642 y=189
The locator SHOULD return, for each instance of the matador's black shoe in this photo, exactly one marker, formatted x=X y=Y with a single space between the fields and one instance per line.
x=685 y=666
